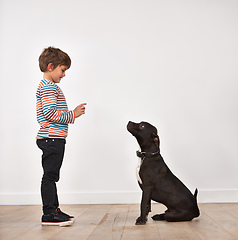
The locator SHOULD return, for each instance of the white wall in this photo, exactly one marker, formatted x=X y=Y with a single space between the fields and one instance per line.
x=172 y=63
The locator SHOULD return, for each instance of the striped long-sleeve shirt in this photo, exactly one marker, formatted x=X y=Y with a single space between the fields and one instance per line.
x=52 y=111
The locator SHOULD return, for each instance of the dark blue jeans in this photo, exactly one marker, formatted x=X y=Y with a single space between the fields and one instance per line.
x=52 y=158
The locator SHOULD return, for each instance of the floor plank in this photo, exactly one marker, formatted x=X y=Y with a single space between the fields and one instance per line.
x=84 y=224
x=207 y=228
x=173 y=230
x=110 y=227
x=117 y=222
x=225 y=220
x=139 y=232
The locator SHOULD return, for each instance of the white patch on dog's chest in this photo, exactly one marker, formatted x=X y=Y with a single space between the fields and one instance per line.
x=138 y=170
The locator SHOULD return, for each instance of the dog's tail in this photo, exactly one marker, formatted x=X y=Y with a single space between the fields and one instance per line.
x=195 y=194
x=195 y=198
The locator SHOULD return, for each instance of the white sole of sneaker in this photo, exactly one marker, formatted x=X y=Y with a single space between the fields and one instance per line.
x=61 y=224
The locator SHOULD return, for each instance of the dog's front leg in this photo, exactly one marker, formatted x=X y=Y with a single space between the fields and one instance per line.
x=144 y=206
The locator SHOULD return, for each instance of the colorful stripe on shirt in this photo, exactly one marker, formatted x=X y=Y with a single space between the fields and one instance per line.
x=52 y=111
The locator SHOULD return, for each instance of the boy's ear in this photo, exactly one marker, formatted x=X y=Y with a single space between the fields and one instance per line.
x=50 y=67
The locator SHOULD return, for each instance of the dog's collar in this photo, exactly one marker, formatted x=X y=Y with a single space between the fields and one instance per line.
x=144 y=155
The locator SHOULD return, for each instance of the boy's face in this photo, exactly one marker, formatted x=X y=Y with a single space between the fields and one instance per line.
x=55 y=75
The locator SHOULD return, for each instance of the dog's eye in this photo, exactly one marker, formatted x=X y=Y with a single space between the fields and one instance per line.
x=142 y=125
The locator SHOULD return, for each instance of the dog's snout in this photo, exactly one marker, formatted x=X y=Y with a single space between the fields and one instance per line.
x=129 y=124
x=130 y=127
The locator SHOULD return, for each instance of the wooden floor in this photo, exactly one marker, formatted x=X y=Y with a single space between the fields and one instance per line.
x=117 y=222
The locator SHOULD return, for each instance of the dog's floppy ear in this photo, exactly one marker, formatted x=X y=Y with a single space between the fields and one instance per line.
x=156 y=139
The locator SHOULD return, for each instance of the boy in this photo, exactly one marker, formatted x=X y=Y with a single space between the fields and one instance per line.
x=53 y=116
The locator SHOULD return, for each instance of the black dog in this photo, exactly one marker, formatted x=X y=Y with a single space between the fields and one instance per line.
x=158 y=182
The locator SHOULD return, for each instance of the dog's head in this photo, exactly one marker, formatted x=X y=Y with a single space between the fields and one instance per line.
x=145 y=134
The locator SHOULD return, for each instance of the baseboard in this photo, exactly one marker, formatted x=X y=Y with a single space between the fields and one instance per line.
x=204 y=196
x=216 y=196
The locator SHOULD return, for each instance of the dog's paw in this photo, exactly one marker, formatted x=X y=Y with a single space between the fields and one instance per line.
x=140 y=221
x=158 y=217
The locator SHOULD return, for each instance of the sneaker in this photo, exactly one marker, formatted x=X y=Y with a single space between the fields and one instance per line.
x=55 y=219
x=64 y=214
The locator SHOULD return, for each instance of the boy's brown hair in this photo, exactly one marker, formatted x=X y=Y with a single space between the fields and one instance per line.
x=55 y=56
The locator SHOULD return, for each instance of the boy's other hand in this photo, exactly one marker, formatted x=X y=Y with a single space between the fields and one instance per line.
x=80 y=110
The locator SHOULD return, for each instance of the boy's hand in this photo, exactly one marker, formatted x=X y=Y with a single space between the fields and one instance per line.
x=80 y=110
